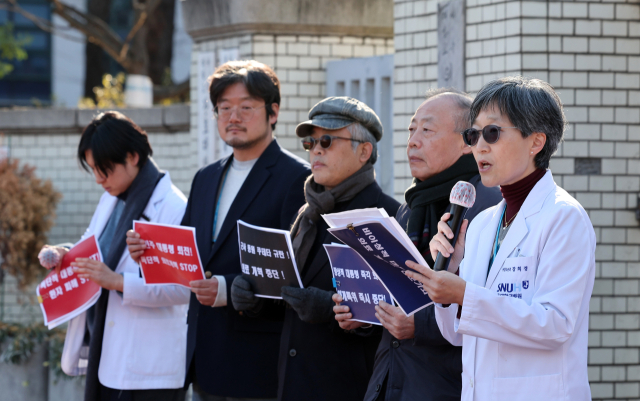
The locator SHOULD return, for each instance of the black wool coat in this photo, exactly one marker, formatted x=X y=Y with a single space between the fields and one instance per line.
x=321 y=361
x=228 y=353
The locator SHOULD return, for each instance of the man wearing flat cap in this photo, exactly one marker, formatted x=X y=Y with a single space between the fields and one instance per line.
x=318 y=360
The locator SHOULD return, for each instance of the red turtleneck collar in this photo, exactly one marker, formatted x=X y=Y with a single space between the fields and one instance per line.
x=516 y=193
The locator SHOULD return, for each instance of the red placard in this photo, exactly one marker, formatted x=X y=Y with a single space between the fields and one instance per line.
x=63 y=295
x=171 y=256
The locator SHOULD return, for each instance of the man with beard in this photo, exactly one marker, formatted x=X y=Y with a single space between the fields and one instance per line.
x=414 y=361
x=229 y=355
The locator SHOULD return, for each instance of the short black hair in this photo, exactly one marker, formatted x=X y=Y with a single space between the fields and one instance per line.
x=531 y=104
x=261 y=82
x=110 y=137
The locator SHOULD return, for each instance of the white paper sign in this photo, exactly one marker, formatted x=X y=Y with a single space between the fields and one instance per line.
x=206 y=124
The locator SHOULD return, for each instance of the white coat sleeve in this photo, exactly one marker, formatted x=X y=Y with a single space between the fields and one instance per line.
x=135 y=292
x=446 y=318
x=565 y=273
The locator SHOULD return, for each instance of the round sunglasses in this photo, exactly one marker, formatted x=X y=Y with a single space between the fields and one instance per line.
x=308 y=143
x=490 y=133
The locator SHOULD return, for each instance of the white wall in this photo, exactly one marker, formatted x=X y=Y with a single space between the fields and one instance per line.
x=67 y=61
x=182 y=43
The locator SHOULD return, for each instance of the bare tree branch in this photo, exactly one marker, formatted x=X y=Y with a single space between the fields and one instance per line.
x=143 y=11
x=98 y=32
x=42 y=23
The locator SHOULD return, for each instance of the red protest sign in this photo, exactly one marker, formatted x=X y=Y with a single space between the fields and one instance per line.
x=171 y=256
x=62 y=294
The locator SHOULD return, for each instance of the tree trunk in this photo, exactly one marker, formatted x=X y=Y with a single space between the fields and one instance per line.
x=160 y=41
x=96 y=64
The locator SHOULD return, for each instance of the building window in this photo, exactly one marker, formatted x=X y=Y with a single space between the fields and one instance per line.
x=30 y=81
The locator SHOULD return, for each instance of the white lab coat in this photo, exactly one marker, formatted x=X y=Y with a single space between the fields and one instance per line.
x=145 y=332
x=533 y=347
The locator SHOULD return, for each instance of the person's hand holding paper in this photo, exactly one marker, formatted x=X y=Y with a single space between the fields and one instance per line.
x=136 y=245
x=343 y=315
x=392 y=318
x=243 y=296
x=99 y=273
x=206 y=290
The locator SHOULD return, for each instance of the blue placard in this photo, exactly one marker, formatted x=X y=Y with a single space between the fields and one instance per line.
x=360 y=288
x=386 y=256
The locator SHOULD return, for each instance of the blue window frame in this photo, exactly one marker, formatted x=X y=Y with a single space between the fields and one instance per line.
x=31 y=78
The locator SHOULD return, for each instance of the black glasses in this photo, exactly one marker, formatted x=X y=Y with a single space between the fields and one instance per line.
x=244 y=113
x=325 y=141
x=490 y=133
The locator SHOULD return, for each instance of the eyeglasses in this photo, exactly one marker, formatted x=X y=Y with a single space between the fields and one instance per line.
x=244 y=113
x=490 y=133
x=325 y=141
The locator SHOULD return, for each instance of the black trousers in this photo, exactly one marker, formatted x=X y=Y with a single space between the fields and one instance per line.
x=110 y=394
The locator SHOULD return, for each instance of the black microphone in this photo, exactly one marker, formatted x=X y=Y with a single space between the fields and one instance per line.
x=463 y=196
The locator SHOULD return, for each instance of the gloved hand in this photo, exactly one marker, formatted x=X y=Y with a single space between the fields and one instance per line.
x=312 y=305
x=242 y=296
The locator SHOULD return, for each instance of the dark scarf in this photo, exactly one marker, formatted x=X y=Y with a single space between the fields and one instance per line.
x=137 y=196
x=429 y=199
x=321 y=201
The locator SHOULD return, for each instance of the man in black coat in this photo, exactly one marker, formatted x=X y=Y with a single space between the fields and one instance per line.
x=228 y=354
x=319 y=360
x=414 y=361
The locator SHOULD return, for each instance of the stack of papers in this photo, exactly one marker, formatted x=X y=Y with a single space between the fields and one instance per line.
x=385 y=247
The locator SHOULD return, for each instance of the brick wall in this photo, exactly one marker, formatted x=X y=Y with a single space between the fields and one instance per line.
x=416 y=70
x=589 y=51
x=300 y=63
x=49 y=139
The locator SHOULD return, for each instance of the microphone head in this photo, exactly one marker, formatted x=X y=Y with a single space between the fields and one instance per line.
x=463 y=194
x=49 y=257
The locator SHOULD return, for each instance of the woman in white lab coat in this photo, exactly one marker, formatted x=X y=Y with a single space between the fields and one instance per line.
x=132 y=343
x=520 y=305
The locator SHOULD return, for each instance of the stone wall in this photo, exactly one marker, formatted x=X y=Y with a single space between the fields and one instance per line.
x=48 y=140
x=589 y=51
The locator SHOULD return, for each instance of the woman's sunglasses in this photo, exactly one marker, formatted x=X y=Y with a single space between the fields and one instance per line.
x=490 y=133
x=325 y=141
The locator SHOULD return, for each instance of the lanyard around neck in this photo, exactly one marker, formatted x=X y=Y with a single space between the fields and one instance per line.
x=496 y=244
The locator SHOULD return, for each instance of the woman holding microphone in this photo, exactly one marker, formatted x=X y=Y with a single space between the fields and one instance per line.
x=520 y=305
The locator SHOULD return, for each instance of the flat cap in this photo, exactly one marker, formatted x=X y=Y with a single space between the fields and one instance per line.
x=338 y=112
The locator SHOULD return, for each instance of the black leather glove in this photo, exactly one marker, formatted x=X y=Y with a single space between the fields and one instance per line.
x=242 y=295
x=313 y=305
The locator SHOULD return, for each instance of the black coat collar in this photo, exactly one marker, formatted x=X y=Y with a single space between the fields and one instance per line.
x=247 y=193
